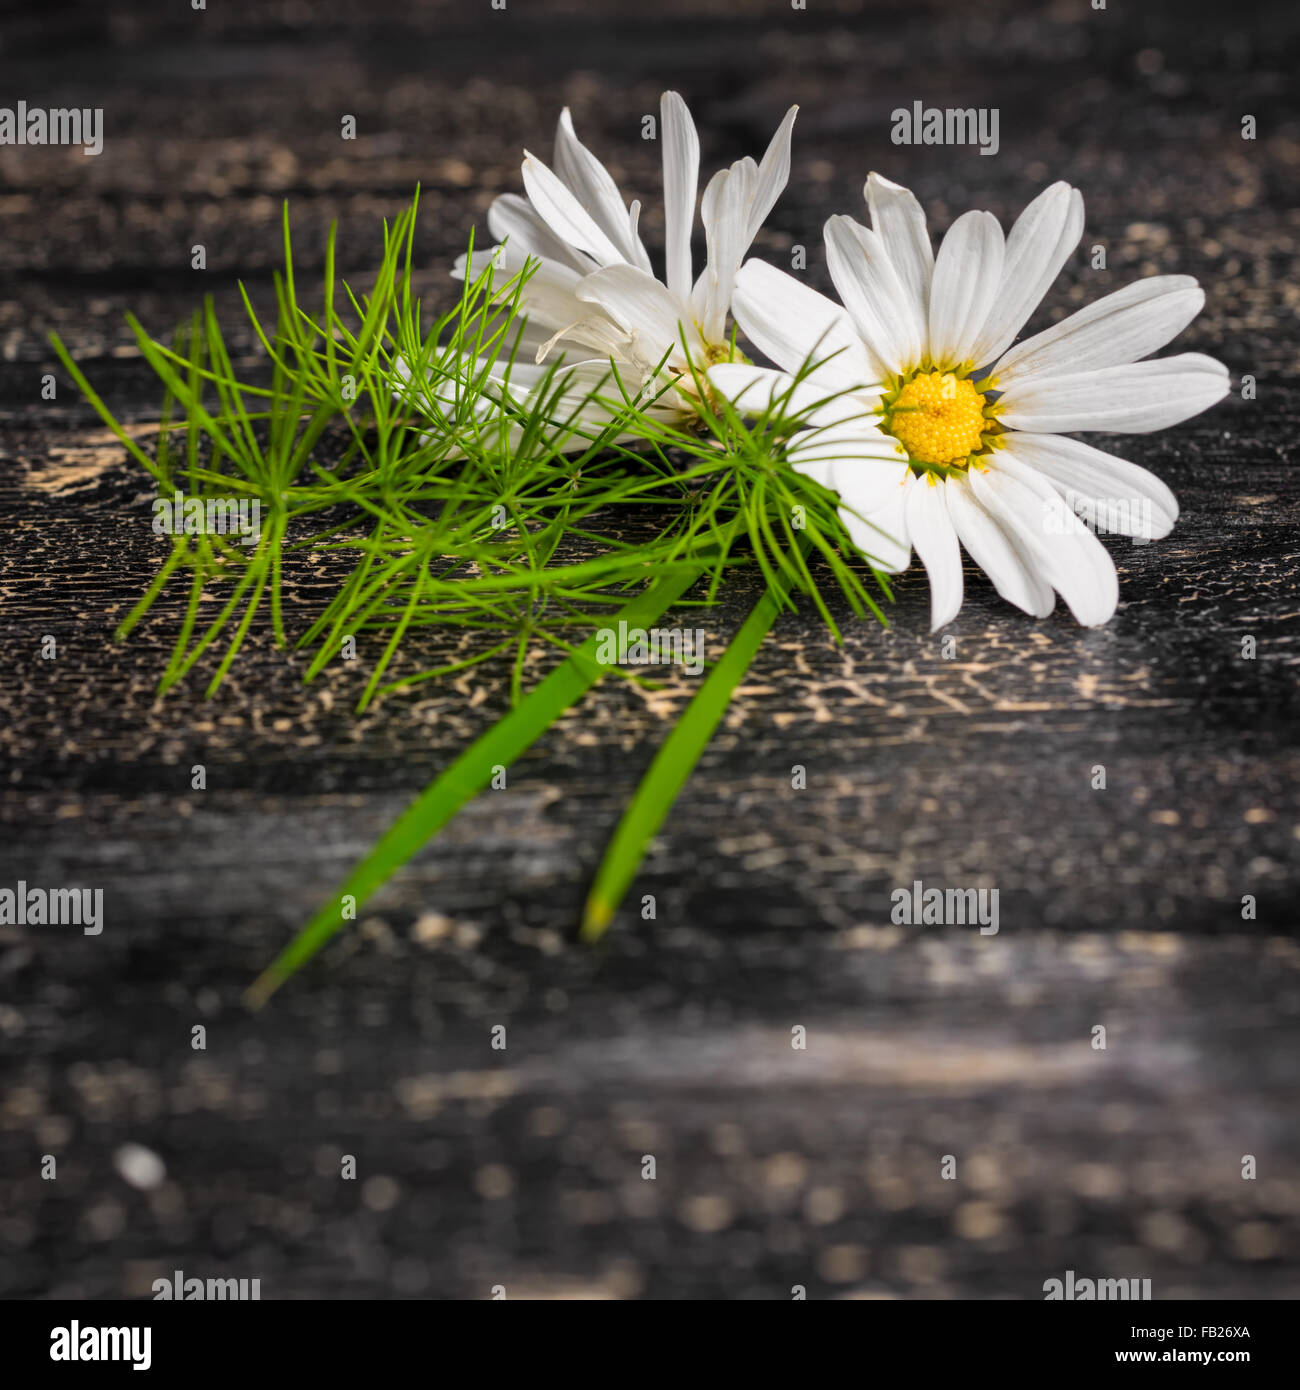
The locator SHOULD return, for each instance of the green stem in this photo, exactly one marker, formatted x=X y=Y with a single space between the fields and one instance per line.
x=467 y=776
x=674 y=763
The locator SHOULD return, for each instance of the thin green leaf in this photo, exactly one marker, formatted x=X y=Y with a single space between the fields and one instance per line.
x=672 y=766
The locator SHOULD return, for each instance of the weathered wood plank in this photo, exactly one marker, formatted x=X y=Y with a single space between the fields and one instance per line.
x=776 y=1166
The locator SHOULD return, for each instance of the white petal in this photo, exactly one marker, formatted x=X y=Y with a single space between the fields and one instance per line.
x=855 y=462
x=1135 y=399
x=548 y=297
x=1116 y=330
x=757 y=388
x=753 y=388
x=885 y=314
x=510 y=259
x=880 y=532
x=1125 y=499
x=790 y=323
x=898 y=218
x=523 y=338
x=565 y=215
x=1073 y=561
x=641 y=304
x=512 y=219
x=1010 y=567
x=967 y=275
x=1038 y=246
x=935 y=540
x=681 y=155
x=577 y=380
x=594 y=187
x=773 y=175
x=472 y=267
x=596 y=332
x=724 y=210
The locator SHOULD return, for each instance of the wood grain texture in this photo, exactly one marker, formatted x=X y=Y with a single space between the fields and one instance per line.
x=775 y=1167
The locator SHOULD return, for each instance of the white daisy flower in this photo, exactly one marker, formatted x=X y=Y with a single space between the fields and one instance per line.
x=968 y=446
x=593 y=292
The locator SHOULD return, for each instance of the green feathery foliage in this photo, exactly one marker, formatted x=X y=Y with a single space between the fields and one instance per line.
x=455 y=487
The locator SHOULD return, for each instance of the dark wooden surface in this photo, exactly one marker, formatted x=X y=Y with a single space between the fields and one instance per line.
x=775 y=1167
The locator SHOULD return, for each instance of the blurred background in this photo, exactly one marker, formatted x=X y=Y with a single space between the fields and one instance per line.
x=775 y=1167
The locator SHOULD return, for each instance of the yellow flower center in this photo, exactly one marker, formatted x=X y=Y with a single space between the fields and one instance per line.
x=938 y=418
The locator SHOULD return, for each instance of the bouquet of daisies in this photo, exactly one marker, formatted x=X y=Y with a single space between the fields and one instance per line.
x=578 y=445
